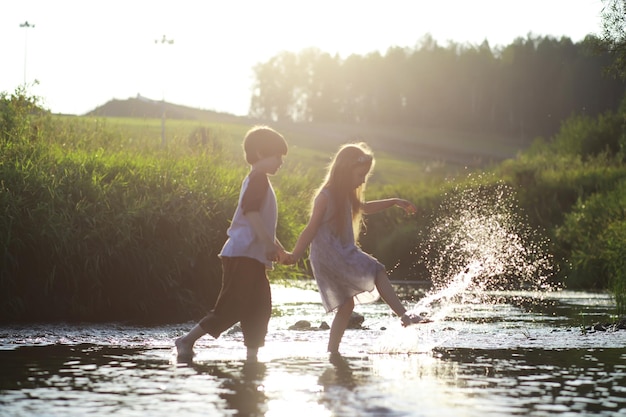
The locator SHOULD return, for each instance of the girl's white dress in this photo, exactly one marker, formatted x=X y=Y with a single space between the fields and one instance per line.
x=342 y=270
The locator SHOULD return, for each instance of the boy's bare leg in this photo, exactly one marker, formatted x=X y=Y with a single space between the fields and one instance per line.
x=340 y=323
x=184 y=344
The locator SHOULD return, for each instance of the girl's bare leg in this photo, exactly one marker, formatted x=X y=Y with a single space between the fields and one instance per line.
x=388 y=294
x=340 y=323
x=251 y=355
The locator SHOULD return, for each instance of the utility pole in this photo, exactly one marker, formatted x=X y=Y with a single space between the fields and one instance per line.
x=26 y=26
x=163 y=41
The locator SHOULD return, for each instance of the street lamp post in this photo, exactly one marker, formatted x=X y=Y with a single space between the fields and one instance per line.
x=163 y=41
x=26 y=26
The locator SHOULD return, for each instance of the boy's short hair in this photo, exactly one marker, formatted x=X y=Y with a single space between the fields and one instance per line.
x=264 y=141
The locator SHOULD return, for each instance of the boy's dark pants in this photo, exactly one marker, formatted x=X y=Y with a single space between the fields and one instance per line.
x=245 y=298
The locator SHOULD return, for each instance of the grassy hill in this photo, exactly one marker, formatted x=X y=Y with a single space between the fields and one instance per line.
x=143 y=107
x=428 y=147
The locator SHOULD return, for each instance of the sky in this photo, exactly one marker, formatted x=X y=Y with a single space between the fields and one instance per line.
x=78 y=54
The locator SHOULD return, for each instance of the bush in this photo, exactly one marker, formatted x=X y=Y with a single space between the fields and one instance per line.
x=16 y=116
x=615 y=239
x=594 y=234
x=587 y=137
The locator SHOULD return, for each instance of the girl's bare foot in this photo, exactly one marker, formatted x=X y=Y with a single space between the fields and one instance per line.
x=408 y=318
x=251 y=355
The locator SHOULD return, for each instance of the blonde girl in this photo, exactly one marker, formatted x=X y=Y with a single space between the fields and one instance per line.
x=346 y=275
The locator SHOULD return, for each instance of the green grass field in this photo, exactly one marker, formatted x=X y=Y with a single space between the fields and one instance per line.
x=402 y=154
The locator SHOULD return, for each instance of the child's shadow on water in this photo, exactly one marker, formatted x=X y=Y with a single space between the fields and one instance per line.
x=242 y=385
x=341 y=374
x=341 y=395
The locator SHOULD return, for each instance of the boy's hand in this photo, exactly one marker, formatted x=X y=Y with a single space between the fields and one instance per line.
x=273 y=253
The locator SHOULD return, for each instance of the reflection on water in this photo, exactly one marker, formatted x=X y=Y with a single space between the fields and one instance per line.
x=586 y=381
x=523 y=354
x=488 y=352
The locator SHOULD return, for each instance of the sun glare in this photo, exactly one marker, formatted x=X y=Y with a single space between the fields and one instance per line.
x=216 y=44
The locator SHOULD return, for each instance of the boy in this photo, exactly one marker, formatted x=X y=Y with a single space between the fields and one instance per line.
x=249 y=251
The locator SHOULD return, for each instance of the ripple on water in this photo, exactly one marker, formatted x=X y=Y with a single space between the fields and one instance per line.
x=509 y=358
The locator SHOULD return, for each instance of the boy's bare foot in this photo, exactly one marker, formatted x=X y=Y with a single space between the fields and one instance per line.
x=184 y=350
x=408 y=318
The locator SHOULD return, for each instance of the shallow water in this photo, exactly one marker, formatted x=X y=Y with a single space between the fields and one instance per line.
x=503 y=353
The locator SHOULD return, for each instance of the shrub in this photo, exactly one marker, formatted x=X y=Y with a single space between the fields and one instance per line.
x=592 y=234
x=587 y=137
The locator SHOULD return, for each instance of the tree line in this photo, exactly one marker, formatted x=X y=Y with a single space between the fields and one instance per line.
x=521 y=91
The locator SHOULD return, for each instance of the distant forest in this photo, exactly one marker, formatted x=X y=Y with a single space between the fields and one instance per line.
x=522 y=91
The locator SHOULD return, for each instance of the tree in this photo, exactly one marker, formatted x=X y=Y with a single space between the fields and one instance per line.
x=277 y=89
x=323 y=86
x=614 y=34
x=520 y=91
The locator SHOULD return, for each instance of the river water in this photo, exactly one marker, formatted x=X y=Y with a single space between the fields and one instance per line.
x=503 y=353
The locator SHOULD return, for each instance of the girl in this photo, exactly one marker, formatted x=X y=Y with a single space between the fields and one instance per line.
x=344 y=273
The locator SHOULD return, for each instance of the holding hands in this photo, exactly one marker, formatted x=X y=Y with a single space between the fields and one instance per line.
x=280 y=255
x=276 y=253
x=289 y=259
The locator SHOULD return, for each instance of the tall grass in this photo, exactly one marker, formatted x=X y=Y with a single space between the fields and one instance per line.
x=100 y=222
x=96 y=226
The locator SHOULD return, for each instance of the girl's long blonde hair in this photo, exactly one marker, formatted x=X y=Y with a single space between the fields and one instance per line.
x=339 y=182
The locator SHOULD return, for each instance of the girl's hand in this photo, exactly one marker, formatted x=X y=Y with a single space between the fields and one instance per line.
x=407 y=206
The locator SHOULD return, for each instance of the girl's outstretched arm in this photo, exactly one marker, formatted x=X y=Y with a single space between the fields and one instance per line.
x=317 y=216
x=374 y=206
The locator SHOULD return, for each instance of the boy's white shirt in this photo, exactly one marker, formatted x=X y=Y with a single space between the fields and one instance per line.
x=242 y=238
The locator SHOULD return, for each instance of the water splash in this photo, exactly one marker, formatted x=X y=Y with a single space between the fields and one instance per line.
x=481 y=241
x=439 y=303
x=436 y=305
